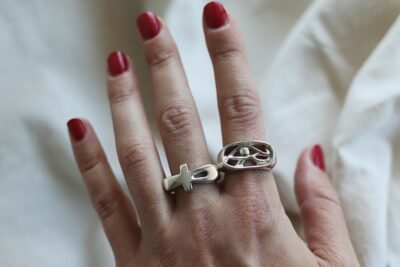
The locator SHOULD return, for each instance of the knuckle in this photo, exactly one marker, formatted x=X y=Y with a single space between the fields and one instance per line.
x=119 y=91
x=176 y=120
x=106 y=205
x=167 y=254
x=265 y=221
x=327 y=197
x=162 y=57
x=336 y=261
x=330 y=258
x=223 y=52
x=260 y=214
x=324 y=203
x=89 y=161
x=133 y=153
x=203 y=222
x=165 y=245
x=241 y=109
x=267 y=226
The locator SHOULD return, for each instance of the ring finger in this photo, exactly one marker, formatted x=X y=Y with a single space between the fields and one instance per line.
x=176 y=111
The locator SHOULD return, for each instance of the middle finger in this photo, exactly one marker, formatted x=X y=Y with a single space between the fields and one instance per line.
x=176 y=111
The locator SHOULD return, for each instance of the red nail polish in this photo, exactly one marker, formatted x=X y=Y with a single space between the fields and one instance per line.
x=317 y=157
x=215 y=15
x=117 y=63
x=77 y=129
x=148 y=25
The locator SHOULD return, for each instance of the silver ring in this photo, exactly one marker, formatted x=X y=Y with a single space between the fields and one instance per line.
x=202 y=175
x=246 y=155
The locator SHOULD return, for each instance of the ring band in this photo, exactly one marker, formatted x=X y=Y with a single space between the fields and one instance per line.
x=246 y=155
x=202 y=175
x=236 y=156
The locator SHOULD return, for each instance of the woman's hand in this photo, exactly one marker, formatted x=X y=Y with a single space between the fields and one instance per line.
x=240 y=222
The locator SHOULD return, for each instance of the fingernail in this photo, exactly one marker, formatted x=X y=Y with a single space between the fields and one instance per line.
x=77 y=129
x=117 y=63
x=215 y=15
x=148 y=25
x=317 y=157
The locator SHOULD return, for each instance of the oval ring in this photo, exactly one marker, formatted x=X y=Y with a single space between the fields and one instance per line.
x=246 y=155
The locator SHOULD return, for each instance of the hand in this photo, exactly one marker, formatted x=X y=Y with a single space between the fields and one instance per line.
x=240 y=222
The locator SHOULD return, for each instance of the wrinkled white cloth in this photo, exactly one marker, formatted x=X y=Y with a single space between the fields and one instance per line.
x=328 y=72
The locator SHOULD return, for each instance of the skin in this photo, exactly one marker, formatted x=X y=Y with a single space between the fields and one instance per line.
x=239 y=223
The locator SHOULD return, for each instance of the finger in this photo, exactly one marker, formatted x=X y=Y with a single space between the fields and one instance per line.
x=114 y=209
x=135 y=147
x=324 y=223
x=238 y=99
x=176 y=112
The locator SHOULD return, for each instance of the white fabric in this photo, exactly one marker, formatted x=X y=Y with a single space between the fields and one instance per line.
x=328 y=72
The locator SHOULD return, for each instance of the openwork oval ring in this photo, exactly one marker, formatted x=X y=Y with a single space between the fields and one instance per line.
x=246 y=155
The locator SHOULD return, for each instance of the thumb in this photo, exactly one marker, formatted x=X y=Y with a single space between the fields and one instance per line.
x=324 y=224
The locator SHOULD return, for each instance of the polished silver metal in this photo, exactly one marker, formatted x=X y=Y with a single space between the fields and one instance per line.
x=246 y=155
x=202 y=175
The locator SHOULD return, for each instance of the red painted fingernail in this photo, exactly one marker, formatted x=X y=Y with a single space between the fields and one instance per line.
x=148 y=25
x=317 y=157
x=117 y=63
x=77 y=129
x=215 y=15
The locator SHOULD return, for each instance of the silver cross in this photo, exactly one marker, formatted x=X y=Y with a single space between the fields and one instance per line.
x=185 y=178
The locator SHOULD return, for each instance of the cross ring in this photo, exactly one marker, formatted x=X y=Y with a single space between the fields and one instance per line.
x=202 y=175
